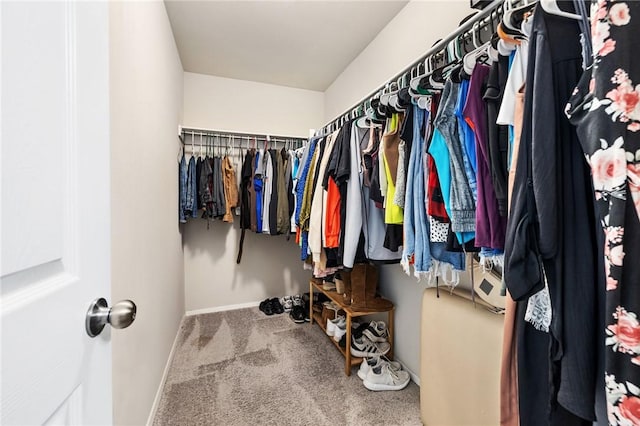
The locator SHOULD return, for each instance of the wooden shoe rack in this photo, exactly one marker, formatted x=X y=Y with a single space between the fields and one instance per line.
x=349 y=313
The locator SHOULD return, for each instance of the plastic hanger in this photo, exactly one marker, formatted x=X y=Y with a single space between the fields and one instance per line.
x=470 y=59
x=513 y=18
x=552 y=7
x=394 y=100
x=384 y=98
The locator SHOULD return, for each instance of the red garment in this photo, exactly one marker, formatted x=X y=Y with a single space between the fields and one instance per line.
x=436 y=207
x=332 y=223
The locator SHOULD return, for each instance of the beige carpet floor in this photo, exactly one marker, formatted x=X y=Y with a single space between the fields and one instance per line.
x=244 y=368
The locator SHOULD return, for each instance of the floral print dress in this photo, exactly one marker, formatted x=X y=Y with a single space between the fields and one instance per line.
x=605 y=107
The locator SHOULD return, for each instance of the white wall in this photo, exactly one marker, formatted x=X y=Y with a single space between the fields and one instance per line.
x=270 y=266
x=147 y=258
x=407 y=37
x=247 y=106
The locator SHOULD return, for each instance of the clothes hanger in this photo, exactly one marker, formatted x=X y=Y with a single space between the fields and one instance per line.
x=394 y=99
x=384 y=98
x=513 y=18
x=552 y=7
x=393 y=89
x=471 y=59
x=492 y=49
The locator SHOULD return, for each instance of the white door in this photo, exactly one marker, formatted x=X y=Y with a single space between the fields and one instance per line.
x=55 y=211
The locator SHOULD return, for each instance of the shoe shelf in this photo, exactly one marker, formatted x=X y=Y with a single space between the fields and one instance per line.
x=350 y=313
x=317 y=318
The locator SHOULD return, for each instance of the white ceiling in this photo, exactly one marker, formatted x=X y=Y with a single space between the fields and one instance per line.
x=304 y=44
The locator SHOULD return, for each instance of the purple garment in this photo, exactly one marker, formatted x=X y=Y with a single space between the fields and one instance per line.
x=490 y=226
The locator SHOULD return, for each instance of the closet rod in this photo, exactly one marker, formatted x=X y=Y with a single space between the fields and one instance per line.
x=183 y=131
x=441 y=45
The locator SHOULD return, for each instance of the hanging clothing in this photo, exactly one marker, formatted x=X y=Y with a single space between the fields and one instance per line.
x=273 y=202
x=398 y=196
x=458 y=198
x=219 y=204
x=267 y=183
x=436 y=207
x=246 y=206
x=354 y=202
x=246 y=203
x=548 y=242
x=307 y=198
x=467 y=141
x=604 y=109
x=253 y=197
x=334 y=185
x=284 y=177
x=258 y=188
x=230 y=189
x=198 y=175
x=182 y=190
x=390 y=144
x=497 y=135
x=317 y=203
x=416 y=231
x=204 y=188
x=490 y=226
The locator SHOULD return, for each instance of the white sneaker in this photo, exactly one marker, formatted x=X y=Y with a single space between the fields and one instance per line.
x=296 y=300
x=377 y=332
x=333 y=324
x=383 y=378
x=370 y=363
x=287 y=303
x=365 y=348
x=341 y=330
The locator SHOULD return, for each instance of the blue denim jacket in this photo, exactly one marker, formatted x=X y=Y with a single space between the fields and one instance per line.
x=416 y=225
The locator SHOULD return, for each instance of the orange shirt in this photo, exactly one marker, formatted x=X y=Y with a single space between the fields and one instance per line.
x=332 y=223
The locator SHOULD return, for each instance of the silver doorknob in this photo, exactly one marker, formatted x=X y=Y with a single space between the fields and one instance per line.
x=120 y=315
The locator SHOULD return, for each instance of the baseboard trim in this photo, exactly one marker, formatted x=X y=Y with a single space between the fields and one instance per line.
x=414 y=377
x=222 y=308
x=165 y=373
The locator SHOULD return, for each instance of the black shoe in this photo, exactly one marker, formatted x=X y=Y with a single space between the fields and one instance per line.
x=297 y=314
x=268 y=308
x=263 y=304
x=276 y=306
x=306 y=312
x=356 y=333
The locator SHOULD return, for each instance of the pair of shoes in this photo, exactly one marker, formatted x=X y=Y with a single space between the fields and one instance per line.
x=332 y=305
x=328 y=283
x=370 y=363
x=383 y=375
x=376 y=332
x=298 y=314
x=333 y=324
x=365 y=348
x=287 y=303
x=271 y=306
